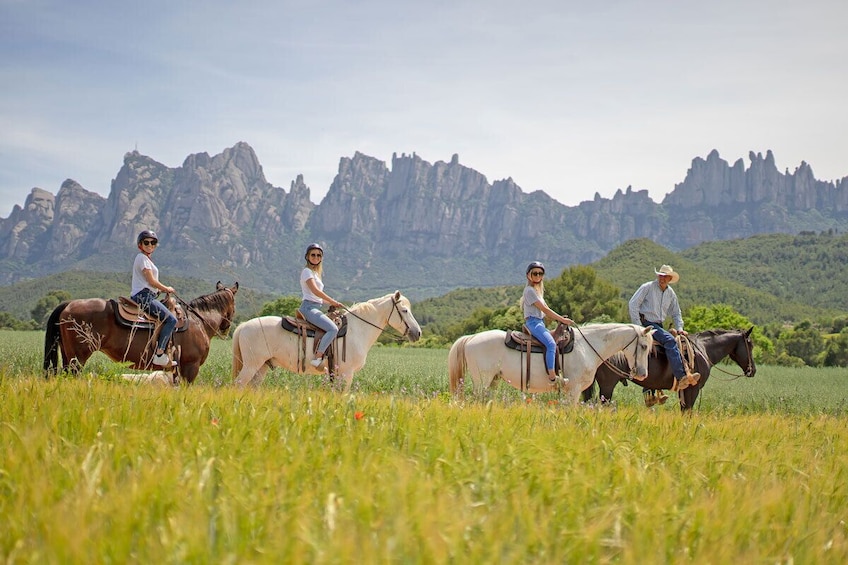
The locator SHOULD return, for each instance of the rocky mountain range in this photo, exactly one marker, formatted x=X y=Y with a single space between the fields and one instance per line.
x=425 y=228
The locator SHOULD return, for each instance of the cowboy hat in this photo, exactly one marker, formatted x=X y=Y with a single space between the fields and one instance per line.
x=667 y=271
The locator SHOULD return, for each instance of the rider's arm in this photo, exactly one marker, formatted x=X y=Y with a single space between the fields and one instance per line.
x=310 y=282
x=152 y=281
x=551 y=314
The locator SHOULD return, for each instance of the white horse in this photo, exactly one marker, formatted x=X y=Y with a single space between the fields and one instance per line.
x=260 y=343
x=485 y=357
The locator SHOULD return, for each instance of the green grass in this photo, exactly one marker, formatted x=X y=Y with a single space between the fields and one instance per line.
x=96 y=470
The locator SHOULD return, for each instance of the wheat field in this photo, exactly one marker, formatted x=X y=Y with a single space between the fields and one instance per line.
x=96 y=469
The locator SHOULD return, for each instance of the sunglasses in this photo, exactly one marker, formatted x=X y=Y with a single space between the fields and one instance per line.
x=315 y=255
x=152 y=242
x=537 y=273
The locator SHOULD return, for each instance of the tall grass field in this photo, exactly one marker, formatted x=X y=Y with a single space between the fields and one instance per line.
x=97 y=469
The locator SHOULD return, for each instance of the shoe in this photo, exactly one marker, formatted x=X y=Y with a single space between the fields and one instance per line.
x=661 y=397
x=650 y=400
x=681 y=384
x=161 y=360
x=694 y=378
x=317 y=362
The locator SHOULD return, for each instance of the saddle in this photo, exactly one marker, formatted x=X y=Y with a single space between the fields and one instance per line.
x=304 y=329
x=130 y=315
x=524 y=342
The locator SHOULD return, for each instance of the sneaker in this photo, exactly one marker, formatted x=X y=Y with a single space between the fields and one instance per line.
x=317 y=362
x=161 y=360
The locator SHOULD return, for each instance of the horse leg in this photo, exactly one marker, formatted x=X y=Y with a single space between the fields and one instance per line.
x=189 y=372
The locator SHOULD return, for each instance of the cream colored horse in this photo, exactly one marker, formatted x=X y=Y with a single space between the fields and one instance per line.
x=261 y=342
x=485 y=357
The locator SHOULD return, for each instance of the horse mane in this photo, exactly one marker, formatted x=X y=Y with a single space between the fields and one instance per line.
x=214 y=302
x=368 y=306
x=619 y=361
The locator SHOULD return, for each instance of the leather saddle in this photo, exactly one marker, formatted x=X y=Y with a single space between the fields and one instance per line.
x=563 y=336
x=130 y=315
x=301 y=327
x=298 y=325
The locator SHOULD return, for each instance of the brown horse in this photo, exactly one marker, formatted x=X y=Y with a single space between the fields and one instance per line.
x=80 y=327
x=711 y=346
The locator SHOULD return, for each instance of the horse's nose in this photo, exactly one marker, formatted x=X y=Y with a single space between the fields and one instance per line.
x=414 y=334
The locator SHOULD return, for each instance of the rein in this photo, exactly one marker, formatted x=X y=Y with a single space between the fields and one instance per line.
x=715 y=366
x=609 y=365
x=399 y=338
x=194 y=311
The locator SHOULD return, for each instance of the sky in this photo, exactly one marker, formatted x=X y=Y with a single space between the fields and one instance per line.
x=572 y=98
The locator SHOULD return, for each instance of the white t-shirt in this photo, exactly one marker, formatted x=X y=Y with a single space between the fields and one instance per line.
x=139 y=282
x=305 y=275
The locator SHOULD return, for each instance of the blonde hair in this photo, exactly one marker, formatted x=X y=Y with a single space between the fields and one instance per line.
x=319 y=269
x=540 y=290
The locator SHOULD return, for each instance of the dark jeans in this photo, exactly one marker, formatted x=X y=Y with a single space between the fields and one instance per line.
x=146 y=299
x=669 y=343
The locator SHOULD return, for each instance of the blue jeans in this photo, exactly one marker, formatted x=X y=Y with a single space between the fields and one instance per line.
x=313 y=314
x=669 y=343
x=146 y=299
x=539 y=331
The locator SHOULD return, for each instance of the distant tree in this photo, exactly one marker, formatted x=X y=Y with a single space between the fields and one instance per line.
x=9 y=321
x=836 y=350
x=722 y=316
x=804 y=342
x=46 y=304
x=578 y=293
x=283 y=306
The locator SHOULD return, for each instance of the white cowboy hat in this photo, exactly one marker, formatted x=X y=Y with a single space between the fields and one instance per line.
x=669 y=272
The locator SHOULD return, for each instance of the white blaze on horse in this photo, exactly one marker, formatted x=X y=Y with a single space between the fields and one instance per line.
x=484 y=356
x=262 y=343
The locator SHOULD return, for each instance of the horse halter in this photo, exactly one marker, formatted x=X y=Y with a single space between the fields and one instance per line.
x=610 y=366
x=224 y=318
x=395 y=307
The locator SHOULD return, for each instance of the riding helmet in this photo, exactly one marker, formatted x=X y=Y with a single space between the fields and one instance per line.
x=146 y=234
x=536 y=265
x=311 y=247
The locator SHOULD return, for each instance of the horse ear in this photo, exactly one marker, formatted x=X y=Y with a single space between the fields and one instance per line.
x=235 y=287
x=397 y=295
x=218 y=285
x=748 y=333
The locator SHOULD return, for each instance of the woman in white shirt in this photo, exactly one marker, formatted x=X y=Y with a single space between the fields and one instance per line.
x=314 y=297
x=145 y=289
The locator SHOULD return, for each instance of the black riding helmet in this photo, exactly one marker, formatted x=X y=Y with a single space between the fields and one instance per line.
x=534 y=265
x=146 y=234
x=310 y=248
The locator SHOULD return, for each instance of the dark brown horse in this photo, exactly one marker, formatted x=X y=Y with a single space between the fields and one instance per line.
x=711 y=346
x=80 y=327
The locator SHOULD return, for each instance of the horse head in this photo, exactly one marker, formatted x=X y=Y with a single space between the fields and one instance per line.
x=641 y=351
x=743 y=352
x=404 y=322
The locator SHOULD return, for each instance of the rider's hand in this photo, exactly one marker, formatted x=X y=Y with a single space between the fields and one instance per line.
x=169 y=290
x=683 y=333
x=567 y=321
x=673 y=332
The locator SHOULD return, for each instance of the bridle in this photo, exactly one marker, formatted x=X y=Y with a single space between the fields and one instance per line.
x=749 y=353
x=216 y=330
x=609 y=365
x=395 y=308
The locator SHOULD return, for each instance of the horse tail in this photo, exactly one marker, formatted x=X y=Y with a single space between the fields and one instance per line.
x=238 y=362
x=457 y=363
x=53 y=340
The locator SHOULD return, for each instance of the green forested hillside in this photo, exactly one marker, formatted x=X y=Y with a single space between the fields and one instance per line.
x=19 y=299
x=808 y=268
x=438 y=313
x=706 y=282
